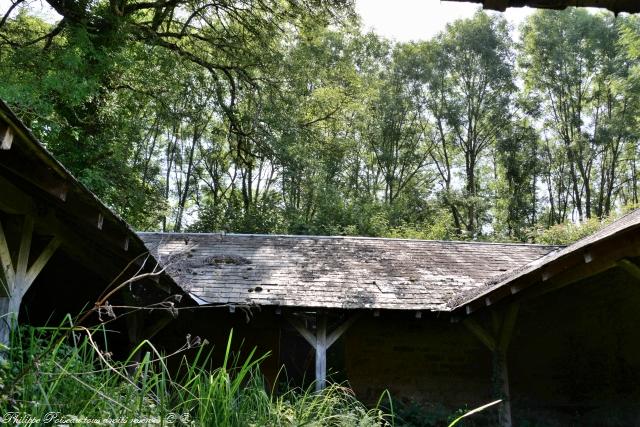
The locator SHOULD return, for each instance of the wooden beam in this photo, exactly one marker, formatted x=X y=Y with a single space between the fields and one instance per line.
x=498 y=342
x=500 y=366
x=19 y=278
x=500 y=5
x=135 y=326
x=302 y=330
x=6 y=263
x=502 y=326
x=7 y=139
x=337 y=332
x=321 y=350
x=21 y=163
x=588 y=257
x=321 y=342
x=501 y=384
x=572 y=268
x=508 y=324
x=42 y=260
x=22 y=264
x=480 y=333
x=570 y=277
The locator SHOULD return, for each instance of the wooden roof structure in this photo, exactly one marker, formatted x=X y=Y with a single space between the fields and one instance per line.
x=32 y=175
x=333 y=272
x=615 y=245
x=616 y=6
x=376 y=273
x=44 y=210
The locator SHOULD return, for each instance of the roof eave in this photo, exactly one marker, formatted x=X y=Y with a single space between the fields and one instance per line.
x=616 y=6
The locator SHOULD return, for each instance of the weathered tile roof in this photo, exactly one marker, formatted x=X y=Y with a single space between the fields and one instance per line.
x=333 y=272
x=626 y=224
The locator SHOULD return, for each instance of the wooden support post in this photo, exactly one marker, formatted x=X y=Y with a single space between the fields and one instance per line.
x=16 y=279
x=6 y=264
x=500 y=367
x=321 y=342
x=6 y=139
x=501 y=387
x=321 y=350
x=498 y=343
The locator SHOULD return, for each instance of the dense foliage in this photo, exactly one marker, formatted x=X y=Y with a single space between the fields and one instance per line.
x=50 y=377
x=282 y=116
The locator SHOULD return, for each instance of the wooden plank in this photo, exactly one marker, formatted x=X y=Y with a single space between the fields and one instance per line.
x=480 y=333
x=41 y=261
x=321 y=350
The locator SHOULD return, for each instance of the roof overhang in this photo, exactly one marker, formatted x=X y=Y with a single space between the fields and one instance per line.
x=580 y=261
x=33 y=182
x=616 y=6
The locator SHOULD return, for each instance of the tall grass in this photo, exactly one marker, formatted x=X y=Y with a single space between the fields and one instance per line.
x=62 y=375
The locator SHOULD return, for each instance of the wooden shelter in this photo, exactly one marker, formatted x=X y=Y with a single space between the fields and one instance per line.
x=60 y=246
x=432 y=320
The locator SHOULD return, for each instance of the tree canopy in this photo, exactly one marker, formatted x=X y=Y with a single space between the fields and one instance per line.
x=285 y=116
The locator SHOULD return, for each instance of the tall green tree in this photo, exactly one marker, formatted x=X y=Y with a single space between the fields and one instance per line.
x=572 y=65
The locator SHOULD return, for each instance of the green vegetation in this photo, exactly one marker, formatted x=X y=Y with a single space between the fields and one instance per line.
x=285 y=117
x=61 y=374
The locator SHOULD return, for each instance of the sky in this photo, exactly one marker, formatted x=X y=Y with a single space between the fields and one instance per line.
x=399 y=20
x=406 y=20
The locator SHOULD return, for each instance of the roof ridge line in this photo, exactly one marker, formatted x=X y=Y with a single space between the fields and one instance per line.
x=309 y=236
